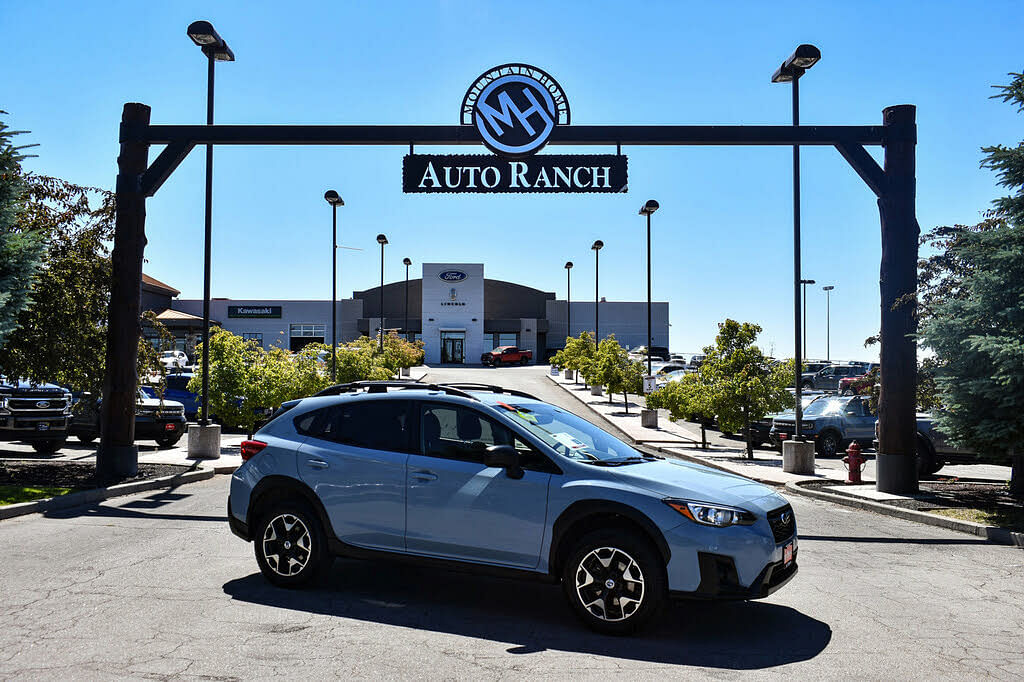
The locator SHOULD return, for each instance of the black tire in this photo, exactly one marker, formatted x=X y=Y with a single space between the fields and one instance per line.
x=304 y=542
x=165 y=442
x=523 y=361
x=87 y=438
x=828 y=444
x=643 y=575
x=47 y=447
x=808 y=384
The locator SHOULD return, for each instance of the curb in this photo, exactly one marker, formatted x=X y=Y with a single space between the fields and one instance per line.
x=994 y=534
x=100 y=494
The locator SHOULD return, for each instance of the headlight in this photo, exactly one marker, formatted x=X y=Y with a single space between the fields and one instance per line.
x=716 y=515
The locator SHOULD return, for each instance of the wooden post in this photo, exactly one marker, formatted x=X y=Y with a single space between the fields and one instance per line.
x=897 y=404
x=118 y=456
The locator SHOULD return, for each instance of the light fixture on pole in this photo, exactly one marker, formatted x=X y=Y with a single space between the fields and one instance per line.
x=597 y=246
x=405 y=330
x=216 y=49
x=804 y=283
x=568 y=298
x=828 y=321
x=382 y=240
x=335 y=200
x=803 y=58
x=648 y=210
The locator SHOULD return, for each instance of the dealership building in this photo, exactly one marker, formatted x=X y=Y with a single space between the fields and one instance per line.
x=453 y=308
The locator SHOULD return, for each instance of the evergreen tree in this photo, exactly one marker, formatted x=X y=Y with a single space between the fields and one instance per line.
x=21 y=249
x=977 y=329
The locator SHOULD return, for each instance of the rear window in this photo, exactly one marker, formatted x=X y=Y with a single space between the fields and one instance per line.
x=371 y=424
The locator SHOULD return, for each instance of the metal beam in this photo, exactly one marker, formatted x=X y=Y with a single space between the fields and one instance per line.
x=405 y=135
x=865 y=165
x=163 y=165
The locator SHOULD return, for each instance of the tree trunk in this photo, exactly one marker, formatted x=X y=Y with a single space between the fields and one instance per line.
x=1017 y=474
x=625 y=401
x=610 y=396
x=703 y=437
x=746 y=430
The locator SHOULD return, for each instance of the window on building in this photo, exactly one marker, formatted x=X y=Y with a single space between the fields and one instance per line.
x=253 y=336
x=303 y=334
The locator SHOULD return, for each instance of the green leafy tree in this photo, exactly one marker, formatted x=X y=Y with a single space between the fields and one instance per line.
x=21 y=248
x=977 y=328
x=61 y=334
x=577 y=354
x=686 y=399
x=613 y=368
x=149 y=367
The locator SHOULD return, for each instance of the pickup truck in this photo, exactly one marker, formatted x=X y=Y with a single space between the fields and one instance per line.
x=832 y=422
x=161 y=421
x=35 y=413
x=933 y=450
x=507 y=355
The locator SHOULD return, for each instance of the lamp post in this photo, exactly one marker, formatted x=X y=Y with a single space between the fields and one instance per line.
x=406 y=262
x=803 y=58
x=382 y=240
x=804 y=283
x=568 y=298
x=335 y=200
x=648 y=210
x=216 y=49
x=828 y=321
x=597 y=246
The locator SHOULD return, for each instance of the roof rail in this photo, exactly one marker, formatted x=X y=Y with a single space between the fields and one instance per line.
x=383 y=386
x=470 y=386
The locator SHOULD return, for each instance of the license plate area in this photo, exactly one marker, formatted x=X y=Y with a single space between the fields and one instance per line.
x=43 y=426
x=787 y=555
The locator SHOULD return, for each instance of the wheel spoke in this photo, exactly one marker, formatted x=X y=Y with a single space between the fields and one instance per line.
x=610 y=584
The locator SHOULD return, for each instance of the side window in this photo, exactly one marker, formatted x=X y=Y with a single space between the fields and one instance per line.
x=313 y=423
x=456 y=432
x=855 y=408
x=372 y=424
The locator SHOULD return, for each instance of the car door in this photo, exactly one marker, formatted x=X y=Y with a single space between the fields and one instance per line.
x=825 y=379
x=860 y=423
x=459 y=508
x=355 y=460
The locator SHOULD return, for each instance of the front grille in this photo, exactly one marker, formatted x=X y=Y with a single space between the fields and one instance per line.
x=783 y=523
x=785 y=425
x=32 y=403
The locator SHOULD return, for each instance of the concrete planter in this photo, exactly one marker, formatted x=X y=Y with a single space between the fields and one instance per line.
x=405 y=372
x=204 y=441
x=595 y=390
x=649 y=419
x=568 y=374
x=797 y=457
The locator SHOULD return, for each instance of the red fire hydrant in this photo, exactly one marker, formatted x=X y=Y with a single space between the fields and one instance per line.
x=854 y=462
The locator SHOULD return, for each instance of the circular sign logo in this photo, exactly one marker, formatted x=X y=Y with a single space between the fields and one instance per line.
x=452 y=276
x=514 y=108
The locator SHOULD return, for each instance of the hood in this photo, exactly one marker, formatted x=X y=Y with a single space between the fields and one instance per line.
x=9 y=386
x=154 y=402
x=695 y=482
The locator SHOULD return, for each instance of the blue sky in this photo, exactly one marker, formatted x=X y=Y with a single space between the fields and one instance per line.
x=723 y=235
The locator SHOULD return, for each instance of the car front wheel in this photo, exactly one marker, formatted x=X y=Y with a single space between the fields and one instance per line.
x=615 y=581
x=828 y=444
x=290 y=546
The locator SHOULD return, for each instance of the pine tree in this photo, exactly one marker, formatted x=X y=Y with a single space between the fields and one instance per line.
x=977 y=332
x=21 y=250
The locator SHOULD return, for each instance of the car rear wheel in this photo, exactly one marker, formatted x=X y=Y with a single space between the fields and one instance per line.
x=290 y=546
x=615 y=581
x=165 y=442
x=828 y=444
x=523 y=361
x=87 y=438
x=47 y=447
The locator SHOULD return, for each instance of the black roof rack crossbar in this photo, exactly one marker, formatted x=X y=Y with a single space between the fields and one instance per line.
x=383 y=386
x=470 y=386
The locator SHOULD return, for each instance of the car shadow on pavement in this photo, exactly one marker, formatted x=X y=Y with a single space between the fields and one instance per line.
x=534 y=617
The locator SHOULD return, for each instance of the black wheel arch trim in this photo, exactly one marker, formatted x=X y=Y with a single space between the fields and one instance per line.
x=583 y=509
x=276 y=484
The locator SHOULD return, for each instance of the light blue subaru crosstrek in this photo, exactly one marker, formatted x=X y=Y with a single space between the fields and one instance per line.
x=500 y=482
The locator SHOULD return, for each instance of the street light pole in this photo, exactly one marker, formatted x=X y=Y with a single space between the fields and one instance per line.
x=335 y=200
x=382 y=240
x=803 y=58
x=216 y=49
x=568 y=298
x=805 y=282
x=648 y=210
x=828 y=321
x=406 y=262
x=597 y=246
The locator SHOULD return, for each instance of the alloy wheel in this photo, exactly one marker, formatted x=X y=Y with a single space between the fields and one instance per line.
x=610 y=584
x=286 y=544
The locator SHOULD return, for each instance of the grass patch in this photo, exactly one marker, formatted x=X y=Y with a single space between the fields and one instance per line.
x=1004 y=517
x=13 y=494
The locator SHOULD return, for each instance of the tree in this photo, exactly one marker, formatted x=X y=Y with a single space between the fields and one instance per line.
x=21 y=249
x=61 y=334
x=977 y=329
x=577 y=354
x=686 y=399
x=613 y=368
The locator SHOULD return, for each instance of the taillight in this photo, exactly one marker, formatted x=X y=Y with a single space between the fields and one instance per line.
x=251 y=448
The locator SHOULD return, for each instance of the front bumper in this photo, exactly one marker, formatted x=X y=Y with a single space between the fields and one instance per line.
x=149 y=428
x=33 y=427
x=718 y=579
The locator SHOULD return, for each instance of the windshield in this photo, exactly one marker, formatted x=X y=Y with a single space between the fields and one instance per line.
x=570 y=436
x=167 y=353
x=826 y=407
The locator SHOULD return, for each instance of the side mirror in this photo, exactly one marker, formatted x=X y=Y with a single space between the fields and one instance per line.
x=506 y=457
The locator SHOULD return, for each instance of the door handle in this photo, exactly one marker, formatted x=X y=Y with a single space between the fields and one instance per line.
x=317 y=463
x=423 y=476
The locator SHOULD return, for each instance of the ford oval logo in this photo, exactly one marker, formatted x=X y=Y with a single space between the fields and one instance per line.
x=452 y=276
x=43 y=404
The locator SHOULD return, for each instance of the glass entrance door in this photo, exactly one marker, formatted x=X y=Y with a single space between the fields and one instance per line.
x=452 y=344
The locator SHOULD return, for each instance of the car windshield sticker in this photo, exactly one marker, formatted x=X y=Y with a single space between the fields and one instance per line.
x=568 y=440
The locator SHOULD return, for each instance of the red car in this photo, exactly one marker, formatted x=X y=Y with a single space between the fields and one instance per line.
x=507 y=355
